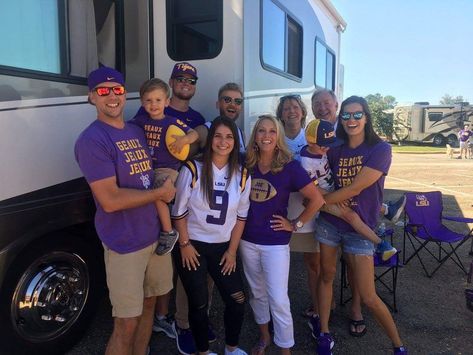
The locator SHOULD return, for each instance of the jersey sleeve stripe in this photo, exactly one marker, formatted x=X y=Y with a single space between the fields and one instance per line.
x=190 y=164
x=244 y=177
x=241 y=218
x=181 y=216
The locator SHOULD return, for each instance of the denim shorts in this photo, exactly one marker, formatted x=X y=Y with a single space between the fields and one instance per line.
x=352 y=242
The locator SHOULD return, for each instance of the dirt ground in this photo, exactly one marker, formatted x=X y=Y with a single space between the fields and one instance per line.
x=432 y=317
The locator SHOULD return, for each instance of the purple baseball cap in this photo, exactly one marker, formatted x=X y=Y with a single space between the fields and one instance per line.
x=184 y=68
x=103 y=75
x=322 y=133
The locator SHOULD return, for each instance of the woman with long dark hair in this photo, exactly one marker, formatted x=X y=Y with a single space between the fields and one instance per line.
x=359 y=167
x=210 y=211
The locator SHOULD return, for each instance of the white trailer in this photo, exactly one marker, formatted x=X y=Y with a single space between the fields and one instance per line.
x=51 y=272
x=437 y=124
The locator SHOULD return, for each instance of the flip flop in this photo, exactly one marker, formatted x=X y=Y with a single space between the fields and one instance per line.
x=355 y=324
x=259 y=348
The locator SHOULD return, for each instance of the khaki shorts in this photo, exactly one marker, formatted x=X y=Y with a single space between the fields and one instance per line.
x=161 y=174
x=133 y=276
x=304 y=243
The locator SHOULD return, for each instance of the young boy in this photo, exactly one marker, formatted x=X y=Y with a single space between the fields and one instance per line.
x=320 y=136
x=155 y=94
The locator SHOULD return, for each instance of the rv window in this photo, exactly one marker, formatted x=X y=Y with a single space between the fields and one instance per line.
x=435 y=116
x=324 y=66
x=37 y=45
x=194 y=29
x=281 y=40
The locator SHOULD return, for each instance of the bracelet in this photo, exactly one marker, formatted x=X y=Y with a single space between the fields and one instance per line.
x=185 y=244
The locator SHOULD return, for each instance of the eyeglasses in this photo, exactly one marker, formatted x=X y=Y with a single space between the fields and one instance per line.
x=290 y=97
x=181 y=79
x=227 y=99
x=105 y=90
x=358 y=115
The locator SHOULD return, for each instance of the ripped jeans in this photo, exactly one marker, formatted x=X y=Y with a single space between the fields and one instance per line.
x=229 y=286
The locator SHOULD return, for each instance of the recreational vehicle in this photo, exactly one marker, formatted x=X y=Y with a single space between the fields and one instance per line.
x=437 y=124
x=51 y=272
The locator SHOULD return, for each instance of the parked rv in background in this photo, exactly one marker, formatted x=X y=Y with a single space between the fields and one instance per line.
x=437 y=124
x=50 y=258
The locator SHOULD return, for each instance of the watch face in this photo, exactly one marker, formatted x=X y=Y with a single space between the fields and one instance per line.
x=299 y=224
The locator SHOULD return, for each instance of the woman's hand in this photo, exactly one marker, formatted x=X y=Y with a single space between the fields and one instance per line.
x=229 y=263
x=190 y=257
x=279 y=223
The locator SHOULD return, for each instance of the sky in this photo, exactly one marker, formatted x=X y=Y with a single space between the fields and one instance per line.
x=414 y=50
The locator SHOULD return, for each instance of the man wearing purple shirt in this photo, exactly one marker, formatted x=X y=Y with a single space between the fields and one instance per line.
x=115 y=161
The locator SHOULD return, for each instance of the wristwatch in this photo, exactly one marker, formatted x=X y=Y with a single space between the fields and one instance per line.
x=297 y=224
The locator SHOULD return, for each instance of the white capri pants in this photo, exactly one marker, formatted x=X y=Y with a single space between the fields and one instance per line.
x=267 y=271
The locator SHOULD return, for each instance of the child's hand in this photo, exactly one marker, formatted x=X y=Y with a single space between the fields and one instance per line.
x=178 y=144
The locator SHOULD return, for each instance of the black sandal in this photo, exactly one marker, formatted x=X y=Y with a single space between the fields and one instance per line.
x=355 y=324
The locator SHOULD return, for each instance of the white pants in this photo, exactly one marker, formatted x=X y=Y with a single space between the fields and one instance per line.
x=267 y=271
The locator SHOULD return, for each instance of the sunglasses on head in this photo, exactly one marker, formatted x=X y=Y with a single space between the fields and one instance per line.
x=358 y=115
x=290 y=97
x=228 y=99
x=182 y=79
x=105 y=90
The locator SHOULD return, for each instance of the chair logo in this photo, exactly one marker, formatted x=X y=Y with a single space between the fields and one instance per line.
x=422 y=201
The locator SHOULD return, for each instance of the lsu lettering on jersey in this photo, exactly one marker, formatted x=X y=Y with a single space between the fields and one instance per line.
x=318 y=168
x=214 y=222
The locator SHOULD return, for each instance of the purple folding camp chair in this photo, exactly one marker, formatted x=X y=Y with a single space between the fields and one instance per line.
x=423 y=228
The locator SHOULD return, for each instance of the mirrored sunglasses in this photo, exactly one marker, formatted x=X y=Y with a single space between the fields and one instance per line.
x=227 y=99
x=358 y=115
x=181 y=79
x=105 y=90
x=290 y=97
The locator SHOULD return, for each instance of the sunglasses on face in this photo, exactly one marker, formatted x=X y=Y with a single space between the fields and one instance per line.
x=228 y=99
x=181 y=79
x=290 y=97
x=358 y=115
x=105 y=90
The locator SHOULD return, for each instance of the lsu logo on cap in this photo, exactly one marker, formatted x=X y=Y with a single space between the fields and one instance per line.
x=262 y=190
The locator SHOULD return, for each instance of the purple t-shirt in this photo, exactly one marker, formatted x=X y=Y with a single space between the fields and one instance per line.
x=346 y=163
x=155 y=132
x=464 y=135
x=103 y=151
x=269 y=196
x=190 y=117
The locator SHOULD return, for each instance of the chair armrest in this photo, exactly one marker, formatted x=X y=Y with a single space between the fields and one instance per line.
x=458 y=219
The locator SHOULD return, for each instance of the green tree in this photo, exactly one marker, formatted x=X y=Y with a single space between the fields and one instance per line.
x=449 y=100
x=382 y=118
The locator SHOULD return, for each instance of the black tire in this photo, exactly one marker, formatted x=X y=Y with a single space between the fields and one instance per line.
x=439 y=140
x=452 y=140
x=50 y=294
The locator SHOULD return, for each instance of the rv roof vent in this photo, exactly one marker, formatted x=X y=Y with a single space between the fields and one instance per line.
x=422 y=103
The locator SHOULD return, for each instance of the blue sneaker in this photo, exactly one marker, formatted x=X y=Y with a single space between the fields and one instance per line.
x=395 y=209
x=400 y=351
x=211 y=335
x=184 y=340
x=164 y=325
x=386 y=250
x=314 y=325
x=325 y=344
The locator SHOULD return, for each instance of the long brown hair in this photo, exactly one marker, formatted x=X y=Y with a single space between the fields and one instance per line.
x=207 y=177
x=282 y=155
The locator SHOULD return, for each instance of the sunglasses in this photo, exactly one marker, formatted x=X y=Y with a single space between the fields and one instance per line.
x=105 y=90
x=181 y=79
x=290 y=97
x=358 y=115
x=228 y=100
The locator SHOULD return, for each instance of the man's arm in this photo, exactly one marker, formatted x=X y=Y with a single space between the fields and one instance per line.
x=113 y=198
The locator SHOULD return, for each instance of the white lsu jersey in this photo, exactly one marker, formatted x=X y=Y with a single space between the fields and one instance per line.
x=214 y=222
x=319 y=169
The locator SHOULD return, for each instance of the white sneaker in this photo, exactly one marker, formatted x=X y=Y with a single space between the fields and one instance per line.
x=237 y=351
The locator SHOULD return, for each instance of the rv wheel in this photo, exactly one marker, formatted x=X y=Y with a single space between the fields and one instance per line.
x=439 y=140
x=49 y=298
x=452 y=140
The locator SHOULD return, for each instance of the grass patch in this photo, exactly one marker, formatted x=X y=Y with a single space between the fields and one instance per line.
x=417 y=149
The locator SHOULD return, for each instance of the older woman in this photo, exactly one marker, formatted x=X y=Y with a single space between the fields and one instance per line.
x=359 y=167
x=292 y=113
x=264 y=245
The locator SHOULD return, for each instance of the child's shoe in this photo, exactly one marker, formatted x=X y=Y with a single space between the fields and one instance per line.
x=166 y=242
x=325 y=344
x=400 y=350
x=386 y=250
